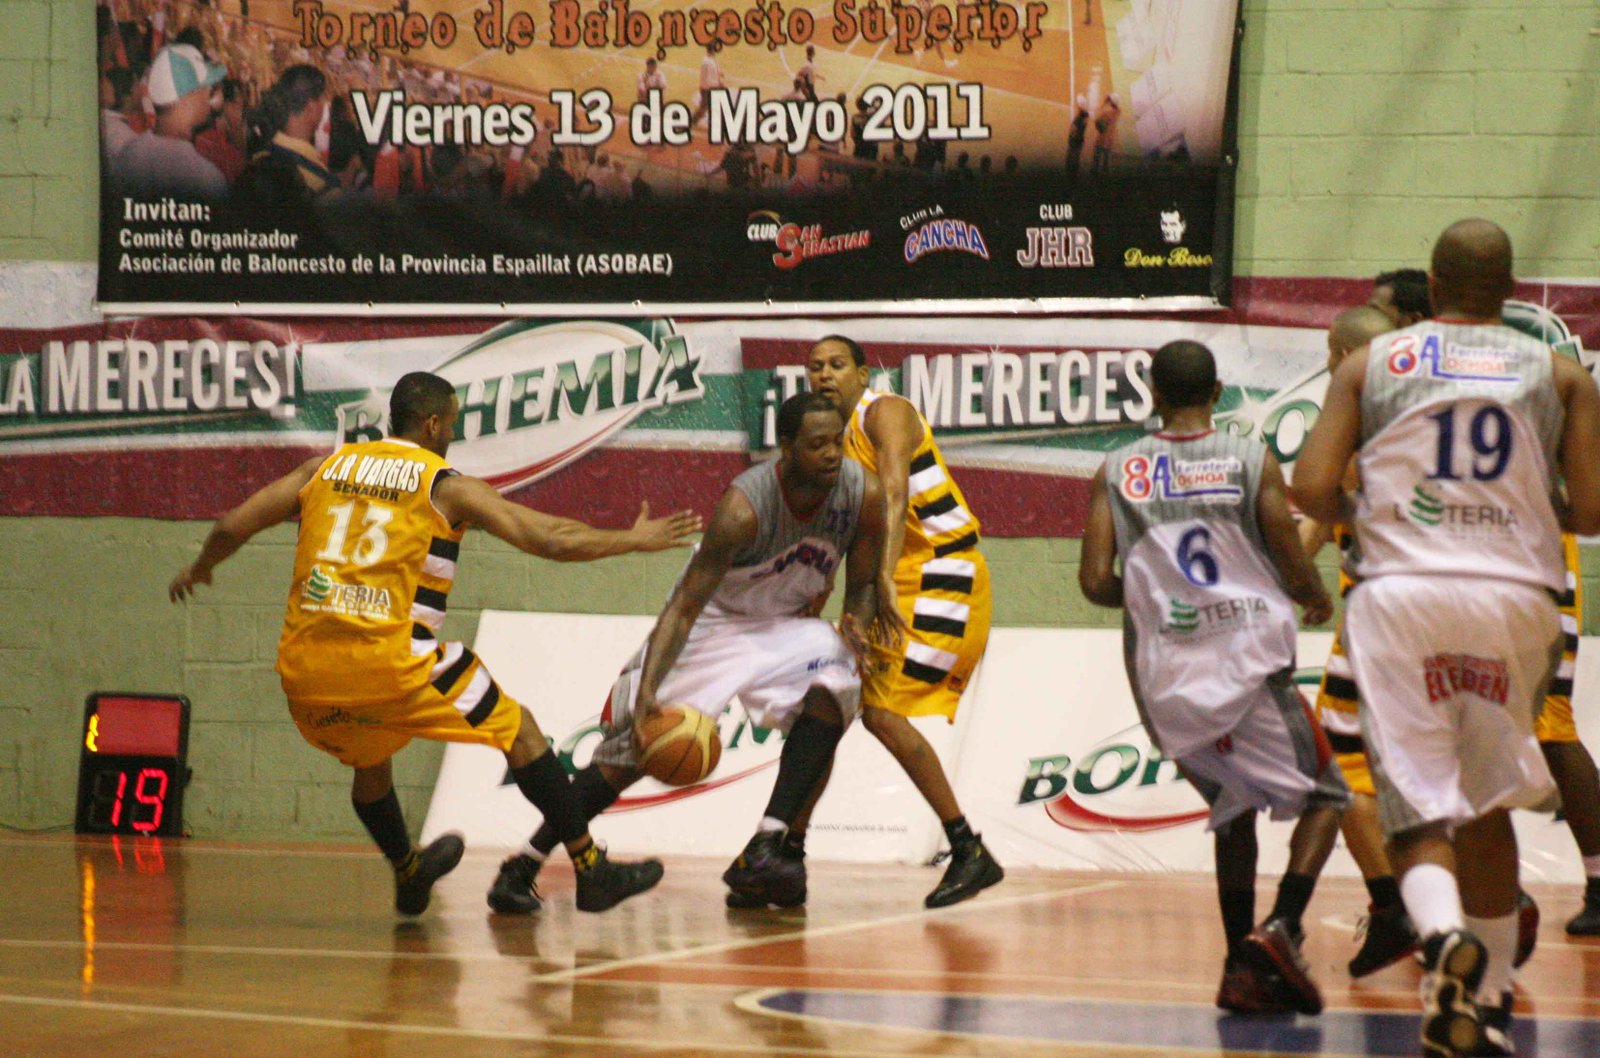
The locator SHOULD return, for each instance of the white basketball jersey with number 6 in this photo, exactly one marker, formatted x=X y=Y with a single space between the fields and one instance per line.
x=1206 y=617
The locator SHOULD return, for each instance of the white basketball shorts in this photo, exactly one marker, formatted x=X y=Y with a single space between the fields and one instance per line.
x=1276 y=759
x=768 y=663
x=1452 y=671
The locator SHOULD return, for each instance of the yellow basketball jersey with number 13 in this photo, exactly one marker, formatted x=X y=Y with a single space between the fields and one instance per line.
x=372 y=569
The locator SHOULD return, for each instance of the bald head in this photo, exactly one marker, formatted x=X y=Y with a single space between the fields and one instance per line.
x=1352 y=329
x=1471 y=269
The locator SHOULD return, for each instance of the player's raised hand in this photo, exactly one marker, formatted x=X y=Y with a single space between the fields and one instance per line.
x=182 y=586
x=658 y=534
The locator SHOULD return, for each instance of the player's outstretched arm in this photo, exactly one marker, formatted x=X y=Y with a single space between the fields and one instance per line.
x=473 y=501
x=733 y=529
x=1580 y=447
x=868 y=612
x=1319 y=473
x=1097 y=572
x=1284 y=548
x=275 y=503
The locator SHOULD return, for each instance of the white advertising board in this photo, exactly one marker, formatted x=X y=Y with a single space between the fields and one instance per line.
x=1048 y=761
x=562 y=666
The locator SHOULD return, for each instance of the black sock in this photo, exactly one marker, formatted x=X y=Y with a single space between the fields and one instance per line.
x=1238 y=915
x=1591 y=890
x=806 y=753
x=959 y=832
x=1385 y=892
x=1294 y=893
x=387 y=825
x=542 y=781
x=593 y=794
x=794 y=844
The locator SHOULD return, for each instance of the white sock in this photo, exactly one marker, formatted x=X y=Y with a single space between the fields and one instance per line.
x=768 y=825
x=532 y=853
x=1591 y=866
x=1499 y=936
x=1432 y=899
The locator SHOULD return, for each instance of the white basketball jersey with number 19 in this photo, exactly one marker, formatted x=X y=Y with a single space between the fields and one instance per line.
x=1460 y=425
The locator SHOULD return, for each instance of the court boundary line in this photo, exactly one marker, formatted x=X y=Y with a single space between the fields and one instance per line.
x=751 y=1004
x=618 y=1043
x=579 y=972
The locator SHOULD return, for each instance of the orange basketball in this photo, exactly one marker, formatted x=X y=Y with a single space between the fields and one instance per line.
x=680 y=746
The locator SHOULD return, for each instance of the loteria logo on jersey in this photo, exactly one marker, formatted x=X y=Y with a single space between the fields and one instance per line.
x=536 y=395
x=1119 y=784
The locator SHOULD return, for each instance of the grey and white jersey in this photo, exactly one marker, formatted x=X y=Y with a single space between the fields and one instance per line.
x=1460 y=425
x=1206 y=619
x=789 y=562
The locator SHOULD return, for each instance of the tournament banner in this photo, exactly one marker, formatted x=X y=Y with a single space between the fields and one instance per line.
x=757 y=157
x=181 y=418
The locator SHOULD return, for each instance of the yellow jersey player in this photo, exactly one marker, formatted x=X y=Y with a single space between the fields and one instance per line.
x=361 y=663
x=933 y=569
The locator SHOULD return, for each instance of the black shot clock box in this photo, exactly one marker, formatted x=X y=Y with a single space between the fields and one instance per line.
x=132 y=767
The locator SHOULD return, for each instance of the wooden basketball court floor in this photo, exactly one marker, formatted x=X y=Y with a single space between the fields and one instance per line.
x=140 y=948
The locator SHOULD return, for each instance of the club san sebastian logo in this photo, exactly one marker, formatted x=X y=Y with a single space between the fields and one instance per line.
x=1121 y=783
x=945 y=233
x=797 y=243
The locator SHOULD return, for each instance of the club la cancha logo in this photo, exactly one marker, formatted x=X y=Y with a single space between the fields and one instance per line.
x=742 y=756
x=536 y=395
x=1121 y=783
x=798 y=243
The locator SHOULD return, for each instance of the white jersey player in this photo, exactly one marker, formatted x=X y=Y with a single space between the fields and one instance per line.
x=740 y=623
x=1210 y=562
x=1464 y=431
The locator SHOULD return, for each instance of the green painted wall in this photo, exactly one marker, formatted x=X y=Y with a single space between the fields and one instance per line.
x=1366 y=126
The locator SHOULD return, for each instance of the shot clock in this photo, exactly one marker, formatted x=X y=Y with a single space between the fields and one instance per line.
x=132 y=770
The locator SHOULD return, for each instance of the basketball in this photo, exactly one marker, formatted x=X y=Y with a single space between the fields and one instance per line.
x=680 y=746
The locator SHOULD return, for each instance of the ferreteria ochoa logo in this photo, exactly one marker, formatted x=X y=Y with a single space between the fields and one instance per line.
x=1122 y=783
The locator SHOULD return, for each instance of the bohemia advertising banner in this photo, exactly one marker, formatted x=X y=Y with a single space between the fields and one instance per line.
x=173 y=417
x=603 y=156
